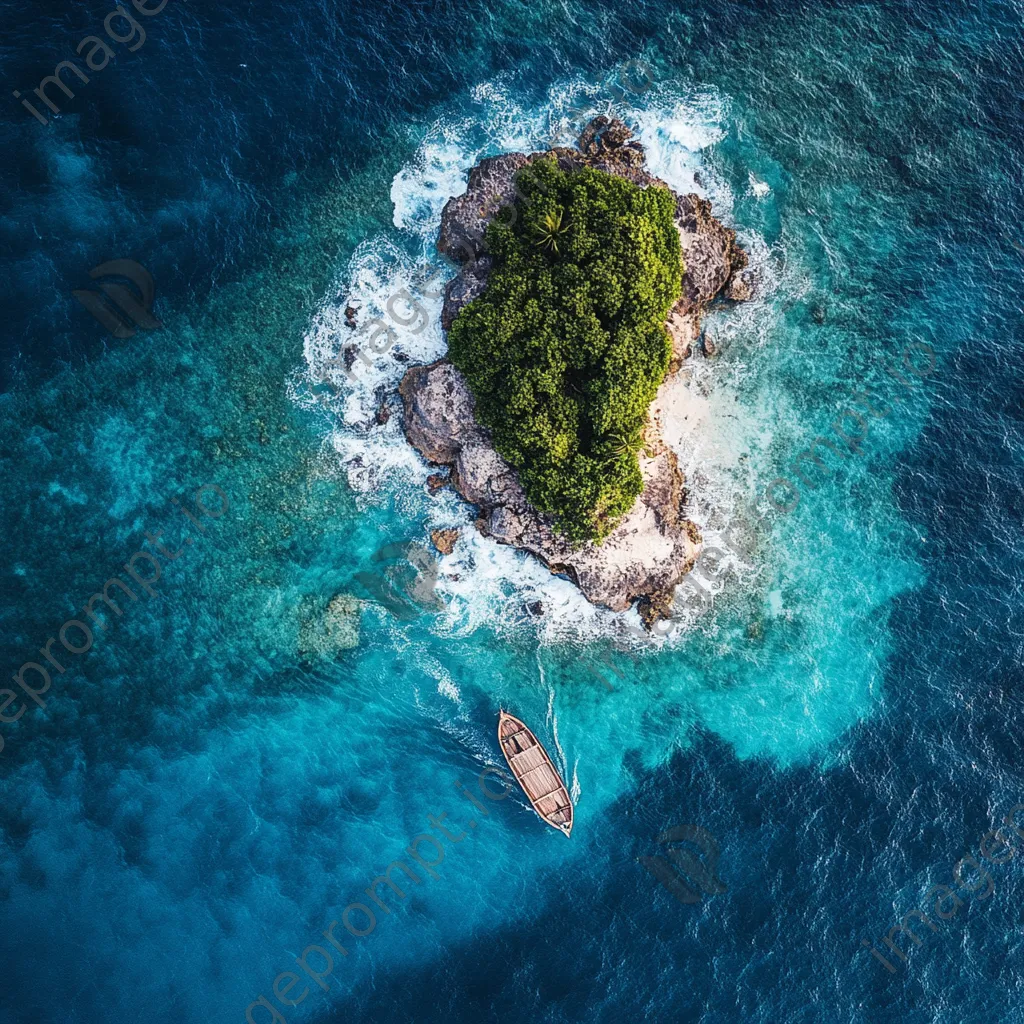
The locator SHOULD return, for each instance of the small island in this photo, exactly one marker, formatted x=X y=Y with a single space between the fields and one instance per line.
x=582 y=284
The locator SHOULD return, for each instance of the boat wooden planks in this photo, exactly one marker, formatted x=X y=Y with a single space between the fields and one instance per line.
x=535 y=772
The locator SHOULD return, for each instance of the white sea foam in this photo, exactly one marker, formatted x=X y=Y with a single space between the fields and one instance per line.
x=421 y=189
x=448 y=689
x=483 y=583
x=676 y=133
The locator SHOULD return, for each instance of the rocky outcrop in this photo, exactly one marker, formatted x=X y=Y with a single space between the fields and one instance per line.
x=444 y=540
x=654 y=545
x=326 y=633
x=464 y=218
x=711 y=254
x=464 y=288
x=646 y=554
x=684 y=330
x=742 y=287
x=709 y=250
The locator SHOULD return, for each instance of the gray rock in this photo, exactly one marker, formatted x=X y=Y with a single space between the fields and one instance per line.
x=465 y=217
x=710 y=251
x=684 y=330
x=463 y=289
x=439 y=412
x=742 y=287
x=647 y=554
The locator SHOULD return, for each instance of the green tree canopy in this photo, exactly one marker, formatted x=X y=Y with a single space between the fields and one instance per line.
x=567 y=345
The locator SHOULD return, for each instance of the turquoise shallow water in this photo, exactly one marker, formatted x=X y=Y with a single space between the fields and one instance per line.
x=213 y=783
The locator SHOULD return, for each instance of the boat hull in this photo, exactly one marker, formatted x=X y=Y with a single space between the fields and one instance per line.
x=535 y=772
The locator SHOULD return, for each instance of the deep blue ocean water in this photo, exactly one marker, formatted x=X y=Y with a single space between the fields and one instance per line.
x=214 y=781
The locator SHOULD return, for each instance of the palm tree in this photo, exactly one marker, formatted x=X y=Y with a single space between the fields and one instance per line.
x=552 y=226
x=617 y=444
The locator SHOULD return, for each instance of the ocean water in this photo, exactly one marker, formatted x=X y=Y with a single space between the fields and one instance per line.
x=226 y=768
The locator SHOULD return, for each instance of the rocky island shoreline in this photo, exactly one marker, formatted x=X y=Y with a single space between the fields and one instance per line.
x=654 y=545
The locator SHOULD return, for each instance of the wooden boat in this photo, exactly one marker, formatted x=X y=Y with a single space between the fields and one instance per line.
x=535 y=772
